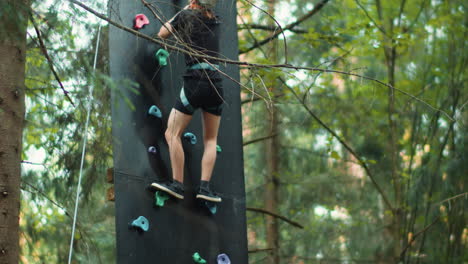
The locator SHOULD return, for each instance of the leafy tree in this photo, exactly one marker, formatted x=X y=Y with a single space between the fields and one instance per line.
x=371 y=172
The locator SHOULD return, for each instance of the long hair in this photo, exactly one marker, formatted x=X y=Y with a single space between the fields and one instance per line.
x=206 y=11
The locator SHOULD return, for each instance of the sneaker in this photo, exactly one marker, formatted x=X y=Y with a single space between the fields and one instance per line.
x=207 y=194
x=173 y=188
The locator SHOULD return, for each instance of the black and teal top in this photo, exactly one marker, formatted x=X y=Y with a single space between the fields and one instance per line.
x=200 y=33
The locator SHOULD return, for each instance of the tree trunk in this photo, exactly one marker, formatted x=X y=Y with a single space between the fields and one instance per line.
x=272 y=188
x=394 y=221
x=13 y=24
x=272 y=162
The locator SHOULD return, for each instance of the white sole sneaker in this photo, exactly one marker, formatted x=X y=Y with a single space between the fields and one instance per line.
x=167 y=190
x=208 y=198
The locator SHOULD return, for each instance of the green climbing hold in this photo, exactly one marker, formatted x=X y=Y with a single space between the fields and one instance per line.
x=162 y=56
x=198 y=259
x=160 y=198
x=218 y=149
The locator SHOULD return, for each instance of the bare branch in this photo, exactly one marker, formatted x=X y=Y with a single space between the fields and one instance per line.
x=248 y=64
x=425 y=229
x=370 y=18
x=280 y=31
x=33 y=163
x=347 y=147
x=260 y=250
x=269 y=28
x=453 y=198
x=423 y=4
x=37 y=191
x=258 y=139
x=312 y=12
x=259 y=98
x=260 y=210
x=49 y=60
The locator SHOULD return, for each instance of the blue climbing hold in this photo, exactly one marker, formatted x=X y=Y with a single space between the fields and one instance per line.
x=162 y=56
x=218 y=149
x=191 y=137
x=212 y=207
x=152 y=150
x=154 y=111
x=223 y=259
x=141 y=223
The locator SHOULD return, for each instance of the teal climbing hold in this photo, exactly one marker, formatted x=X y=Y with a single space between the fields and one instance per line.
x=141 y=223
x=212 y=207
x=162 y=56
x=160 y=198
x=154 y=111
x=197 y=258
x=218 y=149
x=191 y=137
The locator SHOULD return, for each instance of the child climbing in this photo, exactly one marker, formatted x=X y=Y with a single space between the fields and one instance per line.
x=196 y=28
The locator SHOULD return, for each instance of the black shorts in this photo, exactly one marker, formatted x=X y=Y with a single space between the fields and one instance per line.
x=202 y=89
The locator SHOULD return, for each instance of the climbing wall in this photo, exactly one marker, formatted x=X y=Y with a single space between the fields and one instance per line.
x=180 y=228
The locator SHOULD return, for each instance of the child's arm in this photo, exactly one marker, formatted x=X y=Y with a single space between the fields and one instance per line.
x=166 y=30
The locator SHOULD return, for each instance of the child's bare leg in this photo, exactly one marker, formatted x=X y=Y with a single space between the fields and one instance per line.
x=210 y=135
x=176 y=125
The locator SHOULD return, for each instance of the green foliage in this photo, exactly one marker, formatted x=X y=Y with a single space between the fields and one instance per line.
x=53 y=137
x=323 y=186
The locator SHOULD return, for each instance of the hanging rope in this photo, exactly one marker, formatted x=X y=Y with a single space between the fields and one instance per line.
x=78 y=189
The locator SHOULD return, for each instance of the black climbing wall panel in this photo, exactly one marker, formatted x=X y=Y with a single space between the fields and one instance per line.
x=180 y=228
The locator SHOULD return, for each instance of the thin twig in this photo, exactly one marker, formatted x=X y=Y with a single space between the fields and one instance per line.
x=190 y=50
x=258 y=98
x=258 y=139
x=281 y=31
x=33 y=163
x=49 y=60
x=316 y=8
x=347 y=147
x=270 y=28
x=260 y=250
x=252 y=65
x=453 y=198
x=370 y=18
x=416 y=235
x=46 y=197
x=260 y=210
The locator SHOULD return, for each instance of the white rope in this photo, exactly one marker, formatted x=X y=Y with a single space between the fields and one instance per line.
x=90 y=99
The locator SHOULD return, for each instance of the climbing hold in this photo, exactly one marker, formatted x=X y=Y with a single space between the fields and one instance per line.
x=140 y=21
x=141 y=223
x=191 y=137
x=160 y=198
x=212 y=207
x=223 y=259
x=154 y=111
x=162 y=56
x=152 y=150
x=197 y=258
x=218 y=149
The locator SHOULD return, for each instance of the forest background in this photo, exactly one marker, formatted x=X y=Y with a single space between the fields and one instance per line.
x=358 y=157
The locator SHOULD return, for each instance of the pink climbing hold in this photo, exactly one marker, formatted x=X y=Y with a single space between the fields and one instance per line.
x=140 y=21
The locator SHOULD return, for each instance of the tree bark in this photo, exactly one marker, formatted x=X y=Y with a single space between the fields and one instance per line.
x=13 y=25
